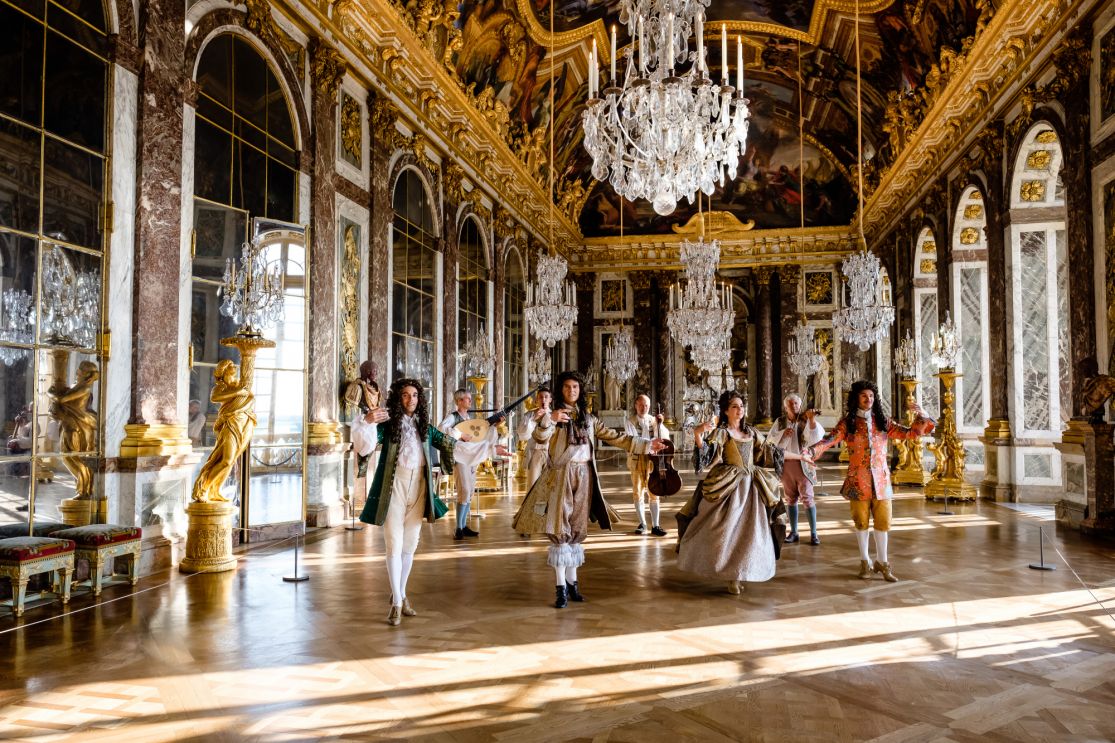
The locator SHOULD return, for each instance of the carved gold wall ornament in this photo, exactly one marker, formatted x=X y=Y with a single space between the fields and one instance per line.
x=1032 y=191
x=350 y=299
x=929 y=247
x=1047 y=137
x=327 y=68
x=352 y=130
x=969 y=236
x=976 y=196
x=973 y=211
x=454 y=182
x=572 y=195
x=1039 y=159
x=928 y=266
x=818 y=288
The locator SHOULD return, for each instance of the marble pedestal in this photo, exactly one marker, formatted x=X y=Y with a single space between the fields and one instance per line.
x=209 y=539
x=1088 y=463
x=998 y=462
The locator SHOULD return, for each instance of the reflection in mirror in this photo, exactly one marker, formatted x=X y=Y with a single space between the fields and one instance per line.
x=15 y=490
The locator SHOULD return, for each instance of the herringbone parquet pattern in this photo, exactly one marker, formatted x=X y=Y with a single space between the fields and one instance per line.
x=971 y=645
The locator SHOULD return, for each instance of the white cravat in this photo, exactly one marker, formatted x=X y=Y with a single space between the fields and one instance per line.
x=870 y=420
x=410 y=449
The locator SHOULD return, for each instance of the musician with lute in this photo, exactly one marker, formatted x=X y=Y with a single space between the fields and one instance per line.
x=640 y=465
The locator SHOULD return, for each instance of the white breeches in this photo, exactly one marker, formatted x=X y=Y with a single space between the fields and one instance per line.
x=404 y=515
x=465 y=480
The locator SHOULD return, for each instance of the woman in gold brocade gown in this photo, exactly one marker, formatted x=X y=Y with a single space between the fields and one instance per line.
x=724 y=530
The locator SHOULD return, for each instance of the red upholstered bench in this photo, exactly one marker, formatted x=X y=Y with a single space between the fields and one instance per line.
x=22 y=557
x=100 y=542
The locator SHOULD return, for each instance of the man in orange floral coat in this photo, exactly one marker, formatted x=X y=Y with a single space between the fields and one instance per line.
x=867 y=485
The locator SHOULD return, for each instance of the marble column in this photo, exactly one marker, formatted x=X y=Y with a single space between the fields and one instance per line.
x=662 y=370
x=764 y=346
x=384 y=138
x=449 y=247
x=996 y=438
x=499 y=323
x=644 y=332
x=155 y=455
x=586 y=286
x=324 y=447
x=788 y=279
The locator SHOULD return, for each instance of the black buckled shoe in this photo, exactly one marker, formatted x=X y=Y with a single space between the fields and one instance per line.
x=658 y=531
x=458 y=535
x=560 y=601
x=573 y=592
x=469 y=532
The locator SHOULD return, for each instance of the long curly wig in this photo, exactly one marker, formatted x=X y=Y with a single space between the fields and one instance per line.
x=725 y=400
x=877 y=414
x=580 y=418
x=395 y=410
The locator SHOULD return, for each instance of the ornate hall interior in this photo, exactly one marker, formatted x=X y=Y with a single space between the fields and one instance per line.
x=257 y=216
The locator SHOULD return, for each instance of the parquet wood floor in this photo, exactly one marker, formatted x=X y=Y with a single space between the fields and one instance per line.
x=971 y=645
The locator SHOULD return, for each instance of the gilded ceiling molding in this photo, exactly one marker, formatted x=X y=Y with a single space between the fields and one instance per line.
x=404 y=68
x=327 y=68
x=1017 y=33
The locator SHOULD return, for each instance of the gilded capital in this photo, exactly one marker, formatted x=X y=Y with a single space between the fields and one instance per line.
x=327 y=67
x=762 y=275
x=454 y=182
x=789 y=276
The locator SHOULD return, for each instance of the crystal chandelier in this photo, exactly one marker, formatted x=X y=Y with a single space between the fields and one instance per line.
x=906 y=358
x=478 y=356
x=70 y=301
x=700 y=315
x=551 y=308
x=661 y=133
x=622 y=360
x=538 y=367
x=252 y=296
x=945 y=351
x=869 y=314
x=19 y=320
x=803 y=357
x=712 y=358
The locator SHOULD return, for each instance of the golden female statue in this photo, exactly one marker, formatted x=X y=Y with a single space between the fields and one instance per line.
x=77 y=423
x=236 y=420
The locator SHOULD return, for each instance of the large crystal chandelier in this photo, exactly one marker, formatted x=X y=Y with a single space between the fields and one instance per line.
x=803 y=357
x=700 y=315
x=19 y=320
x=712 y=358
x=478 y=356
x=869 y=314
x=945 y=351
x=661 y=133
x=538 y=367
x=253 y=295
x=70 y=301
x=551 y=308
x=622 y=360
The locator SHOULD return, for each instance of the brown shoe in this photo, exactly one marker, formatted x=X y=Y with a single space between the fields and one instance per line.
x=884 y=568
x=408 y=610
x=864 y=570
x=395 y=616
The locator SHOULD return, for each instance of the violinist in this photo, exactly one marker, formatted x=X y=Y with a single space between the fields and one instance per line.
x=642 y=423
x=793 y=432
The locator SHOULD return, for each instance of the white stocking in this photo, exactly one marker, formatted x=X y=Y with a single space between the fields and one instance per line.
x=641 y=510
x=559 y=573
x=408 y=563
x=881 y=545
x=861 y=538
x=654 y=512
x=571 y=574
x=394 y=577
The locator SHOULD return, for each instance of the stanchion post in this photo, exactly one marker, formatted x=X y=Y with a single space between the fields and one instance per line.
x=946 y=512
x=296 y=577
x=353 y=526
x=1042 y=564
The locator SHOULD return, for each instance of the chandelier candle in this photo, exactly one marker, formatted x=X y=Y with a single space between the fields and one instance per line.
x=613 y=54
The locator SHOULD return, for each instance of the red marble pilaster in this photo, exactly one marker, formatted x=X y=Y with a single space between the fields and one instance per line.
x=763 y=345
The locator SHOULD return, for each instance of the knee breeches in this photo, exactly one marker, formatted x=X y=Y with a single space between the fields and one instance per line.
x=875 y=510
x=404 y=514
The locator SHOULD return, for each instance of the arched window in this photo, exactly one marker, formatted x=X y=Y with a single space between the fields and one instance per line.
x=925 y=318
x=515 y=341
x=54 y=132
x=1039 y=295
x=415 y=285
x=472 y=284
x=969 y=302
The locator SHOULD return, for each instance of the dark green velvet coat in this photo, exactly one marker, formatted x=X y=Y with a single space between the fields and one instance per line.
x=379 y=498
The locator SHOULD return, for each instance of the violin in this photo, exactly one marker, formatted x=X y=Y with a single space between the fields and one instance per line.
x=664 y=480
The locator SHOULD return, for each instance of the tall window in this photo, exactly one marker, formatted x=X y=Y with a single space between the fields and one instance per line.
x=472 y=285
x=514 y=344
x=969 y=301
x=54 y=116
x=414 y=284
x=925 y=318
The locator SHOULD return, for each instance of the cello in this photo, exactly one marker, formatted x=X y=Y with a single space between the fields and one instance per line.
x=664 y=480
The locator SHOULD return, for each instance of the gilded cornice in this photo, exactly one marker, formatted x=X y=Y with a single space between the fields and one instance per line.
x=997 y=58
x=738 y=249
x=431 y=100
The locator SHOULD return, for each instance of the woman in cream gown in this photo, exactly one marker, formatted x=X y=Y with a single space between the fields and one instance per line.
x=724 y=530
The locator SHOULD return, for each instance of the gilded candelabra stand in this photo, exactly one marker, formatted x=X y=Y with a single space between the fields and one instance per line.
x=910 y=469
x=947 y=479
x=254 y=298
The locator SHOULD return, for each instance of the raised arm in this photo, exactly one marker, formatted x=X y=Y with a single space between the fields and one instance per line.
x=921 y=426
x=625 y=441
x=838 y=434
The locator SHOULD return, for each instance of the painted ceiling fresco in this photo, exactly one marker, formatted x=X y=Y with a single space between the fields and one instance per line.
x=906 y=46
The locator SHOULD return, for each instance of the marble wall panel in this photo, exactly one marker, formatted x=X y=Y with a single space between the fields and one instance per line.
x=1034 y=330
x=971 y=327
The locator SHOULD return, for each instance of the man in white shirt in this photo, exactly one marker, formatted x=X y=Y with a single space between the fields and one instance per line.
x=464 y=476
x=794 y=432
x=642 y=424
x=534 y=453
x=195 y=424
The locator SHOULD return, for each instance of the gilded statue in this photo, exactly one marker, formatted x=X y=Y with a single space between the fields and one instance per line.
x=236 y=420
x=1097 y=391
x=77 y=423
